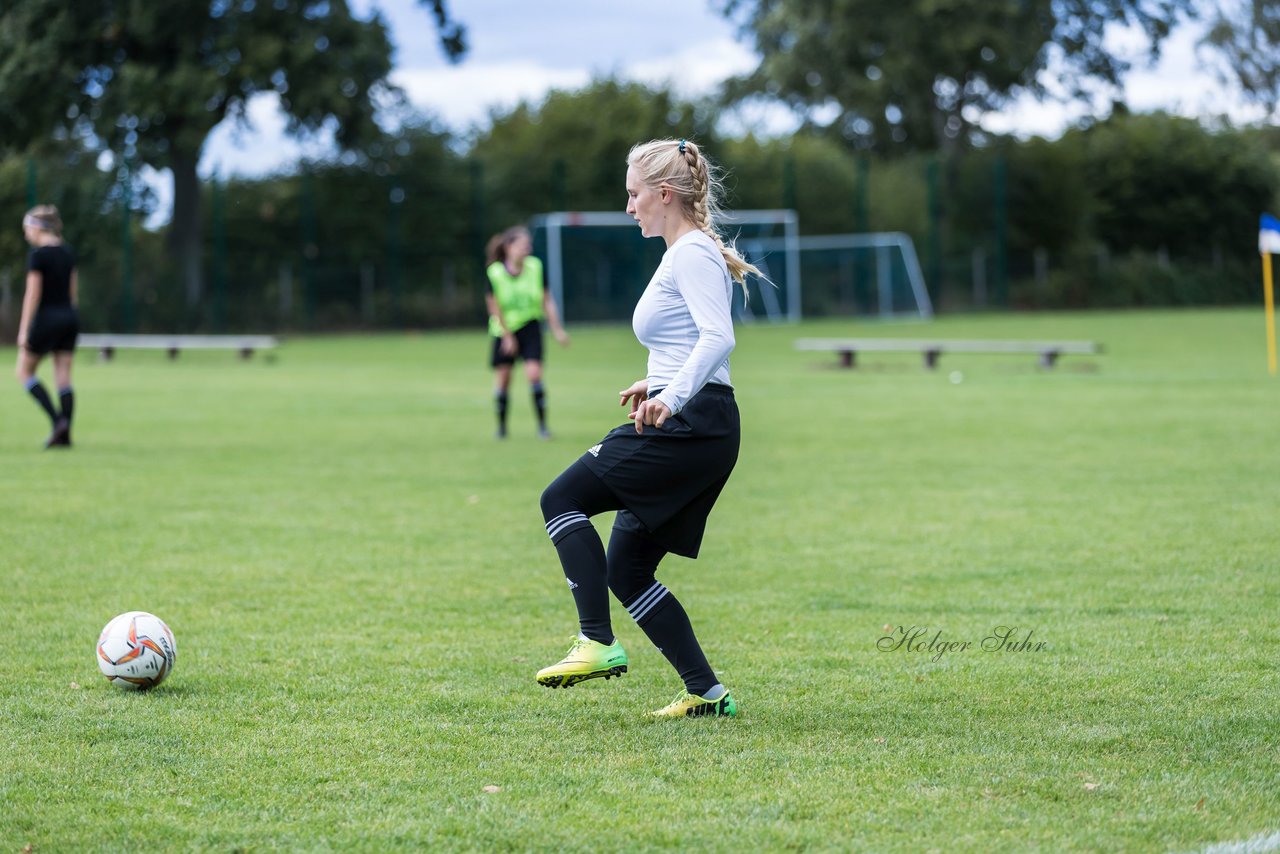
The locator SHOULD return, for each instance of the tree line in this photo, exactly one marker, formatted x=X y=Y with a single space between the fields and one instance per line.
x=1131 y=210
x=1128 y=209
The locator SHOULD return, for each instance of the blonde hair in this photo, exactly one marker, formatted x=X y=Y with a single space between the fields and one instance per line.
x=679 y=165
x=45 y=218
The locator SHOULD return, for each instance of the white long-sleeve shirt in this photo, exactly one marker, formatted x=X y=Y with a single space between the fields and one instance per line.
x=684 y=319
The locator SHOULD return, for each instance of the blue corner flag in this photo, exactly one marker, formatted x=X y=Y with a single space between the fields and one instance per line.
x=1269 y=235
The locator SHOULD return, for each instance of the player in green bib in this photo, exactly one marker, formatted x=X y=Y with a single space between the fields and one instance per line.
x=518 y=300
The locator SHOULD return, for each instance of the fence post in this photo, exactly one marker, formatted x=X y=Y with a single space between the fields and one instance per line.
x=219 y=213
x=128 y=309
x=393 y=254
x=934 y=201
x=310 y=251
x=1000 y=194
x=789 y=190
x=286 y=294
x=862 y=225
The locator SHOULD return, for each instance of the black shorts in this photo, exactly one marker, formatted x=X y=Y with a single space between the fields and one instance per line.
x=668 y=480
x=54 y=329
x=528 y=346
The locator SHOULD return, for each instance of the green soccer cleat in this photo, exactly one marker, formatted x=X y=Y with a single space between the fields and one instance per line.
x=587 y=659
x=692 y=706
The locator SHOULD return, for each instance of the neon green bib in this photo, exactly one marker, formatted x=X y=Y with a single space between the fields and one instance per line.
x=519 y=297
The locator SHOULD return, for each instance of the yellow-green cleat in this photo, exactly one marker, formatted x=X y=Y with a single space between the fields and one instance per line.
x=692 y=706
x=587 y=659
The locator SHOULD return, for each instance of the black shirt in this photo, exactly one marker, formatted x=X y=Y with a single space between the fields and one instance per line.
x=54 y=264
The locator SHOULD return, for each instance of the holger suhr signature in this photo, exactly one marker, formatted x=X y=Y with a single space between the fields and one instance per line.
x=930 y=641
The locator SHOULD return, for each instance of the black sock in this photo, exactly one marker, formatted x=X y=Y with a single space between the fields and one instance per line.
x=501 y=398
x=67 y=398
x=582 y=559
x=567 y=505
x=663 y=619
x=42 y=397
x=540 y=403
x=633 y=559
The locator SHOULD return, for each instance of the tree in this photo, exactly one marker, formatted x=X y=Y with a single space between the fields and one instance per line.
x=809 y=173
x=569 y=153
x=1163 y=182
x=149 y=81
x=1246 y=36
x=918 y=73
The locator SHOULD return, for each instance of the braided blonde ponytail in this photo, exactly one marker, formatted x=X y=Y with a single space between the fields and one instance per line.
x=702 y=202
x=679 y=165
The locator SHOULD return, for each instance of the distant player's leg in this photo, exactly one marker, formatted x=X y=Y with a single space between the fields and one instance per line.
x=633 y=560
x=66 y=395
x=533 y=370
x=567 y=505
x=502 y=384
x=25 y=370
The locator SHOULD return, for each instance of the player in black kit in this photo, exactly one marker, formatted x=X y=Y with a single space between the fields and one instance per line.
x=50 y=322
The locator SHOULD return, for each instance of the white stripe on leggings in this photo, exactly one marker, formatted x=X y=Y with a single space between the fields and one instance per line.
x=647 y=600
x=560 y=523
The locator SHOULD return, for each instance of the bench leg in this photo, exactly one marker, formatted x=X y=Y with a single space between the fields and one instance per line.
x=246 y=353
x=931 y=358
x=1048 y=359
x=848 y=358
x=173 y=353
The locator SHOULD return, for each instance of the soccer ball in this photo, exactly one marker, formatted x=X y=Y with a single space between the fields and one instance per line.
x=136 y=651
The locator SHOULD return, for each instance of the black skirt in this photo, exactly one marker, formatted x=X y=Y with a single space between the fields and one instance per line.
x=668 y=480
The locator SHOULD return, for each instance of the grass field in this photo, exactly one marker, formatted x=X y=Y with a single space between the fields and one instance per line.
x=361 y=589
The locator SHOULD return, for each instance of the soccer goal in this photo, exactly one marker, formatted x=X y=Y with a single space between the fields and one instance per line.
x=598 y=263
x=875 y=275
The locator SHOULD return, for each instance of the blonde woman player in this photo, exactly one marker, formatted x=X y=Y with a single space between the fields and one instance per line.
x=50 y=322
x=664 y=471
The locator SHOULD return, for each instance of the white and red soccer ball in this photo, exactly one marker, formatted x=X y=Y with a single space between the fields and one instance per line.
x=136 y=651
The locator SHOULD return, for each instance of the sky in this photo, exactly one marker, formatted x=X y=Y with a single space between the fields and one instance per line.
x=522 y=50
x=517 y=51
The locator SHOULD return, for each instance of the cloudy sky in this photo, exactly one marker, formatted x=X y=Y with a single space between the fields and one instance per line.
x=521 y=50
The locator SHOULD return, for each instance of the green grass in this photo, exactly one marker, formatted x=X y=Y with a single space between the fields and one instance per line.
x=361 y=589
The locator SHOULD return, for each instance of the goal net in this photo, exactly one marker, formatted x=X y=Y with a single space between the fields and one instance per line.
x=875 y=275
x=598 y=263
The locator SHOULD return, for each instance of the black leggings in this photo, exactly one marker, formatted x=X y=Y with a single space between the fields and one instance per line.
x=628 y=570
x=632 y=559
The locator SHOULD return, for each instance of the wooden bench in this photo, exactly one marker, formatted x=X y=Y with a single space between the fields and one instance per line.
x=932 y=348
x=108 y=342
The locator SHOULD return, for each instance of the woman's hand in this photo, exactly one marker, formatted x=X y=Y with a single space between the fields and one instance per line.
x=653 y=412
x=562 y=337
x=508 y=344
x=639 y=391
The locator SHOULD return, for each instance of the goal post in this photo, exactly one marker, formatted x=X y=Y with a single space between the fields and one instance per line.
x=598 y=263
